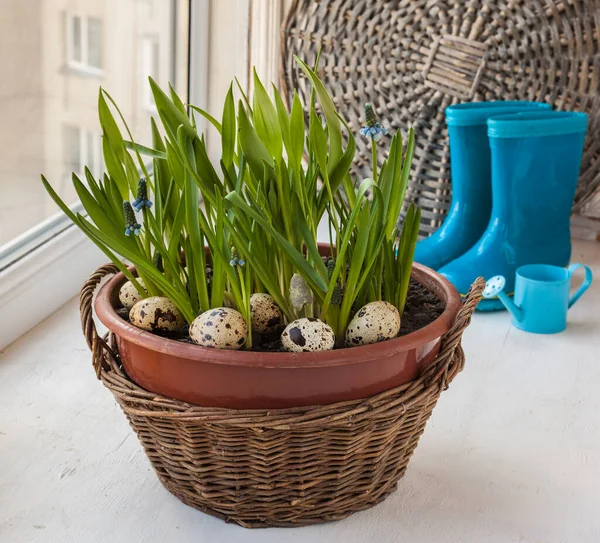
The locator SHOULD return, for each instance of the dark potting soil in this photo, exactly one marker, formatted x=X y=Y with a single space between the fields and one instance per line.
x=422 y=307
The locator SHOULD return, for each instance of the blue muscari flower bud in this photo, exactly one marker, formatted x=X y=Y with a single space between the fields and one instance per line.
x=370 y=116
x=158 y=262
x=235 y=258
x=373 y=128
x=142 y=196
x=336 y=297
x=330 y=267
x=131 y=224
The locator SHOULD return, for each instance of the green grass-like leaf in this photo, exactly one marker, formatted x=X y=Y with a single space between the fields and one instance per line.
x=276 y=181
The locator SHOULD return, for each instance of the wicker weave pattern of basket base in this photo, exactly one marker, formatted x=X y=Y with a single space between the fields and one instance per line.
x=412 y=58
x=288 y=467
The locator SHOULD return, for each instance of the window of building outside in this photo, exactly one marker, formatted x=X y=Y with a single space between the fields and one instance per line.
x=84 y=43
x=53 y=63
x=82 y=148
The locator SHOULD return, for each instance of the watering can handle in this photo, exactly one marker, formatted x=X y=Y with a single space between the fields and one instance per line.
x=587 y=281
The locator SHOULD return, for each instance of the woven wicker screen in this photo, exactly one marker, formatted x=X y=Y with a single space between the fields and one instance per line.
x=412 y=58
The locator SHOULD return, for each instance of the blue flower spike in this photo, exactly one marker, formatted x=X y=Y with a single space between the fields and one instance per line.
x=373 y=128
x=142 y=196
x=235 y=258
x=131 y=224
x=493 y=287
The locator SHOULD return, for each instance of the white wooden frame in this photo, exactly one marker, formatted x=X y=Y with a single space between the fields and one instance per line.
x=199 y=60
x=266 y=17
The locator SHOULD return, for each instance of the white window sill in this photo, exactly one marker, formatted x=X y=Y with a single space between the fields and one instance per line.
x=512 y=452
x=84 y=70
x=40 y=280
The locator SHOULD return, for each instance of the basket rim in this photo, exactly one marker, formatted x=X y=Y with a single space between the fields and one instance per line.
x=424 y=336
x=140 y=401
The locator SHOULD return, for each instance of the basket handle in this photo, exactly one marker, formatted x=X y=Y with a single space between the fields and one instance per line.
x=451 y=339
x=88 y=326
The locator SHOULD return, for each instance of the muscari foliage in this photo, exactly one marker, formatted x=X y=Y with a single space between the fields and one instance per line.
x=276 y=181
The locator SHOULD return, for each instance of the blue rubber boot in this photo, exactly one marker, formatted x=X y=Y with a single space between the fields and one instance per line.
x=471 y=204
x=535 y=166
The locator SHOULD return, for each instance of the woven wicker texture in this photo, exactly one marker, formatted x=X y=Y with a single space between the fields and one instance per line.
x=412 y=58
x=287 y=467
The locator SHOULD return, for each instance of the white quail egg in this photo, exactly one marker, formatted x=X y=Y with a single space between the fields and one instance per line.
x=156 y=313
x=128 y=295
x=265 y=315
x=307 y=335
x=374 y=322
x=221 y=328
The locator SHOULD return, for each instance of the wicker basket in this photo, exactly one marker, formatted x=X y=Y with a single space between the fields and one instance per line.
x=412 y=58
x=287 y=467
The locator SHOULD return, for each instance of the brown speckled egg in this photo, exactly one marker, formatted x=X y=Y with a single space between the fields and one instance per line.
x=221 y=328
x=308 y=335
x=374 y=322
x=156 y=313
x=265 y=315
x=128 y=295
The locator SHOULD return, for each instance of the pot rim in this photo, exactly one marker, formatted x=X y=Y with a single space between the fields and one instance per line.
x=434 y=330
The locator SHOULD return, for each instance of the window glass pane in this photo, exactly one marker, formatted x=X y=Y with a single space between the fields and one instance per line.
x=94 y=42
x=48 y=114
x=76 y=39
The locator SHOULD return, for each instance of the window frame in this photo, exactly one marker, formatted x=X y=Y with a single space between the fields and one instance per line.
x=82 y=65
x=90 y=157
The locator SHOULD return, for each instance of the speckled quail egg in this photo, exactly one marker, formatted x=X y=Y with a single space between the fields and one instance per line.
x=308 y=335
x=265 y=315
x=374 y=322
x=221 y=328
x=156 y=314
x=128 y=295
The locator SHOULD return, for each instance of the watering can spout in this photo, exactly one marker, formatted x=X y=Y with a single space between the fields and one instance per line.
x=515 y=311
x=494 y=289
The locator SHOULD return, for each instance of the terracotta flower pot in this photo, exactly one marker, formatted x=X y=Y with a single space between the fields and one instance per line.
x=255 y=380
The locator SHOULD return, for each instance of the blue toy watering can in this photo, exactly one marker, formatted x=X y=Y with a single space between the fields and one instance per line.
x=541 y=299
